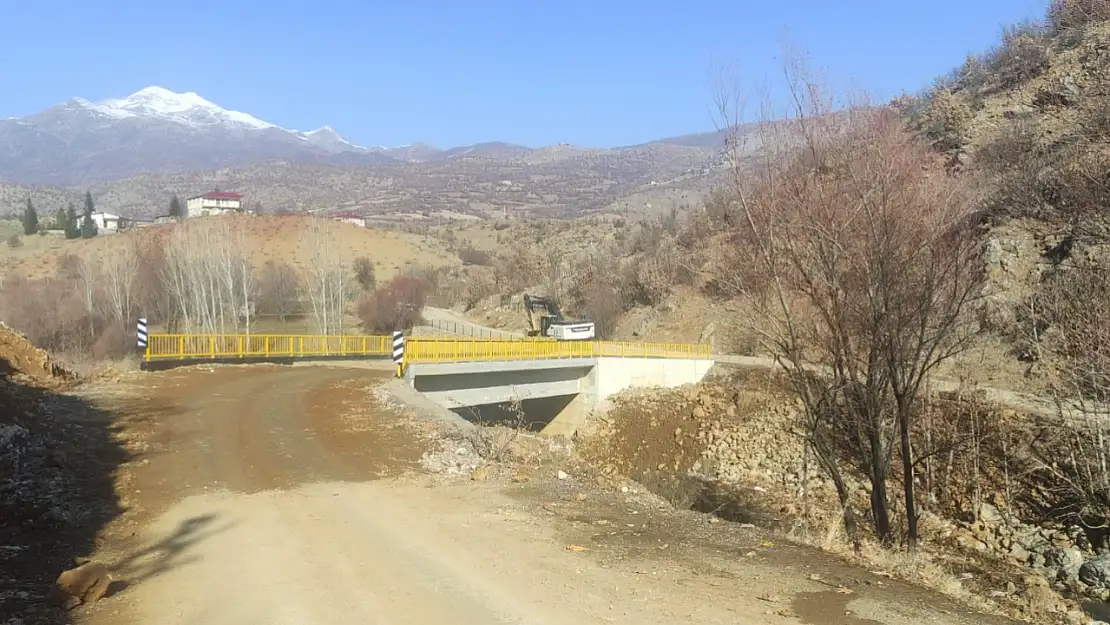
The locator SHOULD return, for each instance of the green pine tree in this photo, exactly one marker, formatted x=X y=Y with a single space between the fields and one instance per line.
x=72 y=224
x=30 y=219
x=59 y=220
x=88 y=226
x=175 y=208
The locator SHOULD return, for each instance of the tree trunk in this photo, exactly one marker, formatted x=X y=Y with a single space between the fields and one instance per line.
x=879 y=507
x=907 y=477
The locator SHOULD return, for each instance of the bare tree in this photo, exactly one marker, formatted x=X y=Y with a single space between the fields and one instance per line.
x=120 y=278
x=859 y=261
x=208 y=277
x=1074 y=307
x=278 y=290
x=327 y=283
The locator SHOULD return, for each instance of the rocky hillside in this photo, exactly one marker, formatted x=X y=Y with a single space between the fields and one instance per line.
x=1030 y=121
x=58 y=459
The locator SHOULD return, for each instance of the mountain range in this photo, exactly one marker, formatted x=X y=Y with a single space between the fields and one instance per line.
x=134 y=153
x=158 y=131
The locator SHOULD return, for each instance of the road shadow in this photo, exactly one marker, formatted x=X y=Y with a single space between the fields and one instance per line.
x=59 y=456
x=168 y=553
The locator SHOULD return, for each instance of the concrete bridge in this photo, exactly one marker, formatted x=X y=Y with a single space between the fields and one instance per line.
x=473 y=377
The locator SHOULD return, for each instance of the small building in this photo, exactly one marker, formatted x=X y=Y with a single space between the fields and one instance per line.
x=213 y=203
x=351 y=218
x=130 y=223
x=106 y=223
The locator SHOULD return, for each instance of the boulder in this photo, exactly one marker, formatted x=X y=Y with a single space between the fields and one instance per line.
x=1096 y=571
x=1067 y=561
x=87 y=583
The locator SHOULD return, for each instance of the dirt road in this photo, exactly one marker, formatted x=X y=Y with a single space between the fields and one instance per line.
x=295 y=495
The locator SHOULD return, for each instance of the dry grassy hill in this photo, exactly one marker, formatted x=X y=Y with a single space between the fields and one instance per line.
x=271 y=238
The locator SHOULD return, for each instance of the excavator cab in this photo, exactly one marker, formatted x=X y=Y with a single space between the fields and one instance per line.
x=546 y=320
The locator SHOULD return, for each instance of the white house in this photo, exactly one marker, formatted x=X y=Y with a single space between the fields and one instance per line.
x=351 y=218
x=213 y=203
x=106 y=223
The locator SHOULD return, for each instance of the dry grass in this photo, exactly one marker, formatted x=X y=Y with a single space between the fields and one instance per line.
x=272 y=238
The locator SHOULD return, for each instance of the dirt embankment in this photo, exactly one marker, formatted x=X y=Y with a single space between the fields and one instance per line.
x=727 y=447
x=58 y=456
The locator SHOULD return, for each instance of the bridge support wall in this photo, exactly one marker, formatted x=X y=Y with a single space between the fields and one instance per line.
x=589 y=382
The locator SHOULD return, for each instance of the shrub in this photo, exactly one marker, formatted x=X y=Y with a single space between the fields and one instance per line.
x=472 y=256
x=15 y=241
x=364 y=273
x=602 y=305
x=1023 y=55
x=948 y=121
x=395 y=306
x=1065 y=15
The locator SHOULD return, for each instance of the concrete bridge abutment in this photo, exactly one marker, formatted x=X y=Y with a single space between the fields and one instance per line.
x=585 y=383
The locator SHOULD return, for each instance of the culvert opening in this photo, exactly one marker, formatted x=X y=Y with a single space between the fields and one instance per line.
x=529 y=414
x=690 y=492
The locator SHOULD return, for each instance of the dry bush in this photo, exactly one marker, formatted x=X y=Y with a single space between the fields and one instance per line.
x=51 y=312
x=364 y=273
x=472 y=256
x=1074 y=309
x=114 y=342
x=948 y=121
x=495 y=442
x=525 y=266
x=1023 y=55
x=478 y=286
x=602 y=304
x=15 y=241
x=395 y=306
x=1070 y=15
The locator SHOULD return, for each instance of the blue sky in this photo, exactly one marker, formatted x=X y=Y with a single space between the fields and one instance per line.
x=600 y=73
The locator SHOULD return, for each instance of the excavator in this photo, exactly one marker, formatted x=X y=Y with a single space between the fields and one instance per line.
x=545 y=319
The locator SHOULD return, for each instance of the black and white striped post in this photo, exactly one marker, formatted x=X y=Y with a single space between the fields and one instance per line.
x=141 y=333
x=399 y=352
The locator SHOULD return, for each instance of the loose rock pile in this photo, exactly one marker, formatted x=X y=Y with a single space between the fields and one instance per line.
x=738 y=434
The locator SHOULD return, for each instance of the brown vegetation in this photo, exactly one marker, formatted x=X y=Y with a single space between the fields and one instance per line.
x=394 y=306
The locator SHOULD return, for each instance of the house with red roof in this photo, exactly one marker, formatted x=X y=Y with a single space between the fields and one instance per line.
x=213 y=203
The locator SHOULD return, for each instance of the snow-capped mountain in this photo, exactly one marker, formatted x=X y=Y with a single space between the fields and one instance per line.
x=186 y=108
x=155 y=130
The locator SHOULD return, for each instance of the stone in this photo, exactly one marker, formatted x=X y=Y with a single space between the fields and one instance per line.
x=87 y=583
x=990 y=515
x=1067 y=560
x=1096 y=571
x=1019 y=554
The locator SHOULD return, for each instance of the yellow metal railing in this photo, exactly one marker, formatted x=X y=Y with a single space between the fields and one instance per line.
x=195 y=346
x=451 y=350
x=231 y=346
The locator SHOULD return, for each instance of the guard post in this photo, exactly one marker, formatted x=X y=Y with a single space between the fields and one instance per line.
x=399 y=351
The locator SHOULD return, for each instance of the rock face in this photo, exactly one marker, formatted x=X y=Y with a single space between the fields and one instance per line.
x=87 y=583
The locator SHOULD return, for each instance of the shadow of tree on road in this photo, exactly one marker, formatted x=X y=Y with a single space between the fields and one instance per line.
x=169 y=552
